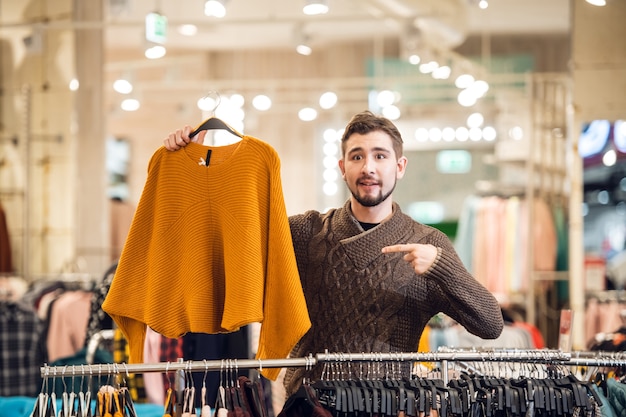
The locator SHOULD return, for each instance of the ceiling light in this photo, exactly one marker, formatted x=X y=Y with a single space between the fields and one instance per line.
x=462 y=133
x=391 y=112
x=483 y=4
x=313 y=7
x=479 y=88
x=421 y=134
x=302 y=41
x=464 y=81
x=414 y=59
x=74 y=84
x=188 y=29
x=122 y=86
x=475 y=120
x=442 y=73
x=307 y=114
x=262 y=102
x=215 y=8
x=328 y=100
x=489 y=133
x=130 y=104
x=597 y=2
x=435 y=134
x=155 y=51
x=304 y=49
x=428 y=67
x=466 y=98
x=385 y=98
x=475 y=134
x=448 y=134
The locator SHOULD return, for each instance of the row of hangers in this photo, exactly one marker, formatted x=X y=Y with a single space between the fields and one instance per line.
x=112 y=398
x=469 y=395
x=107 y=401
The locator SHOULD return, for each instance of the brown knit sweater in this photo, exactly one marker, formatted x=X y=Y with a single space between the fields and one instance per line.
x=361 y=300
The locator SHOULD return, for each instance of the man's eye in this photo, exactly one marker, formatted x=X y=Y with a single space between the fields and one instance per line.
x=380 y=156
x=357 y=157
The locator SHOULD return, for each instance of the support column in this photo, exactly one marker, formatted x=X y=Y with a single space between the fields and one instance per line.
x=599 y=77
x=92 y=219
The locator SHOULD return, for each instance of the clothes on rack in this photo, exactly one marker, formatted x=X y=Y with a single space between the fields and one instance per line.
x=121 y=215
x=68 y=316
x=22 y=345
x=12 y=288
x=6 y=256
x=468 y=395
x=98 y=319
x=605 y=317
x=134 y=382
x=493 y=238
x=502 y=382
x=516 y=333
x=209 y=287
x=199 y=346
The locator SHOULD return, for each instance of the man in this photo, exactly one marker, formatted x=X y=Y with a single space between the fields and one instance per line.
x=372 y=276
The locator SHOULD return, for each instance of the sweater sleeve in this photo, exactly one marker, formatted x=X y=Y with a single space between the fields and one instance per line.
x=284 y=298
x=467 y=301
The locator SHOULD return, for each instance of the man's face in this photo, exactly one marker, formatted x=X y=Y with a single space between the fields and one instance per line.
x=371 y=168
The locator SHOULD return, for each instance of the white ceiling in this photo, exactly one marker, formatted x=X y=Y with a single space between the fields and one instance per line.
x=251 y=24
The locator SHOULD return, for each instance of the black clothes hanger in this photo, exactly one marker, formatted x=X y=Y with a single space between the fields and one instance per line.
x=213 y=123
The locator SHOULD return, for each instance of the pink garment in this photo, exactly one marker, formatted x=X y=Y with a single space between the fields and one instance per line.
x=502 y=239
x=482 y=244
x=68 y=324
x=489 y=267
x=544 y=239
x=121 y=218
x=592 y=320
x=153 y=381
x=610 y=313
x=45 y=301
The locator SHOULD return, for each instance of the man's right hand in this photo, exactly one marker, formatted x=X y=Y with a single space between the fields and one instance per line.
x=180 y=138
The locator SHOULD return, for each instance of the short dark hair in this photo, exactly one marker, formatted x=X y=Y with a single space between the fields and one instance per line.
x=366 y=122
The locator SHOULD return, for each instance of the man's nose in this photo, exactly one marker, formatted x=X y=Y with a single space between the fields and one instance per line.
x=368 y=165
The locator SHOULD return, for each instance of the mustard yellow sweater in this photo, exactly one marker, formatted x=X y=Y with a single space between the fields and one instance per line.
x=210 y=250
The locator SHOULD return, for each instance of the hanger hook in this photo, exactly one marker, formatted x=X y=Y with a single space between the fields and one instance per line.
x=214 y=97
x=169 y=380
x=206 y=371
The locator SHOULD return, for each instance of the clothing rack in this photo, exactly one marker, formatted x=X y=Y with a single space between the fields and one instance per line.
x=443 y=357
x=540 y=356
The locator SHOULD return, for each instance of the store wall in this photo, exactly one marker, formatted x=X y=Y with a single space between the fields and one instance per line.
x=598 y=69
x=37 y=115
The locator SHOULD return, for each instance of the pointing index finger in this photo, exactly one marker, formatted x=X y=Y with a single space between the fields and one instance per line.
x=397 y=248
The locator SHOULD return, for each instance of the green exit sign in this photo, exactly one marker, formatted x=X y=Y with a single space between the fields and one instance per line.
x=454 y=162
x=156 y=28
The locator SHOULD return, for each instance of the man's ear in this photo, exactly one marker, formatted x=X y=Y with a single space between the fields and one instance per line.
x=401 y=167
x=342 y=169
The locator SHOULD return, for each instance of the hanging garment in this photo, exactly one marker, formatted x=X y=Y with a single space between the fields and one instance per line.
x=210 y=250
x=23 y=349
x=201 y=346
x=6 y=260
x=121 y=218
x=98 y=319
x=68 y=319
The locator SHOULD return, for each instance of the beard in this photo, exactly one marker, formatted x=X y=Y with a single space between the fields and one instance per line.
x=372 y=201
